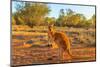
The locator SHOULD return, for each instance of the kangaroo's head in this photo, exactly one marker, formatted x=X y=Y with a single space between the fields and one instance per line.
x=50 y=27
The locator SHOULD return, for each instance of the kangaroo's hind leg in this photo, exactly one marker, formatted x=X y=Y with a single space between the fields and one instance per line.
x=69 y=53
x=60 y=54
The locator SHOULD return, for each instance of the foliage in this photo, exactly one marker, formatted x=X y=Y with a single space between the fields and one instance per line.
x=73 y=19
x=13 y=20
x=49 y=20
x=32 y=13
x=36 y=14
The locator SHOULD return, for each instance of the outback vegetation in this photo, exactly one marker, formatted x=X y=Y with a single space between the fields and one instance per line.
x=30 y=37
x=35 y=14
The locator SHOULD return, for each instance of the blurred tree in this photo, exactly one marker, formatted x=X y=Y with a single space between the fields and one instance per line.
x=93 y=20
x=36 y=14
x=76 y=20
x=19 y=19
x=50 y=20
x=70 y=17
x=61 y=18
x=69 y=12
x=13 y=20
x=32 y=13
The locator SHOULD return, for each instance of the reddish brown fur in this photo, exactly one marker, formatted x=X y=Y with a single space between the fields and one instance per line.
x=61 y=39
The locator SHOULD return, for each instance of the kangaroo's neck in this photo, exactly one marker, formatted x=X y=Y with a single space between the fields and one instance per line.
x=51 y=30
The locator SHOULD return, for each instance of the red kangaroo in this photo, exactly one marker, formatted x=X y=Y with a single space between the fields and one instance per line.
x=61 y=40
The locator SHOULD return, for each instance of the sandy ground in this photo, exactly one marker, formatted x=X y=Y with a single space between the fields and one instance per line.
x=45 y=55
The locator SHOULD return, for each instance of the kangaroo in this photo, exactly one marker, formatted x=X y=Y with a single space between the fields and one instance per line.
x=61 y=40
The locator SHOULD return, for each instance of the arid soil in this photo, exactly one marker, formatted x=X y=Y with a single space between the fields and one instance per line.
x=31 y=47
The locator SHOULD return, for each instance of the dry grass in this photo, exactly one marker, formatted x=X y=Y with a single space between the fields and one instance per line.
x=39 y=52
x=42 y=55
